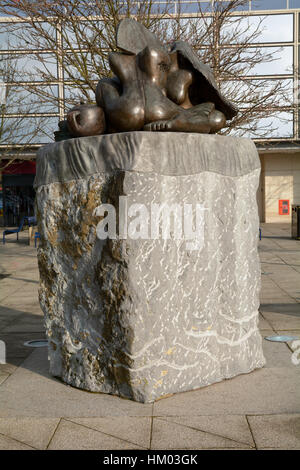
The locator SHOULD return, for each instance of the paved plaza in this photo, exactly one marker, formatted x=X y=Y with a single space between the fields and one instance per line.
x=260 y=410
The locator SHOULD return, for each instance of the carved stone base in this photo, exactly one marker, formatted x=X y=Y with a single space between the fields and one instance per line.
x=144 y=318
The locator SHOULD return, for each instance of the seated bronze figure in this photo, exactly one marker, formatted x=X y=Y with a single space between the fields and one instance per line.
x=152 y=90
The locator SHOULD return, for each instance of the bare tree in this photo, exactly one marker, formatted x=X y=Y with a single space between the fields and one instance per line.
x=17 y=132
x=78 y=35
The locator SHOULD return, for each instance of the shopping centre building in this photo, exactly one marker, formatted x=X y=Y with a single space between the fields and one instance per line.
x=279 y=150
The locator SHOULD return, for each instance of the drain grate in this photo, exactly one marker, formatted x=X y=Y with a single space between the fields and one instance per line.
x=37 y=343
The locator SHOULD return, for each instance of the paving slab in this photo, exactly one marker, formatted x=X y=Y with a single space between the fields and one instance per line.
x=276 y=431
x=231 y=431
x=282 y=321
x=25 y=323
x=7 y=369
x=263 y=324
x=34 y=432
x=30 y=306
x=31 y=391
x=72 y=436
x=277 y=354
x=264 y=391
x=3 y=376
x=191 y=433
x=266 y=299
x=11 y=444
x=16 y=351
x=136 y=430
x=295 y=333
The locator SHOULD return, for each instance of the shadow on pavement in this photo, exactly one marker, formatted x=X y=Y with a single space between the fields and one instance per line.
x=284 y=309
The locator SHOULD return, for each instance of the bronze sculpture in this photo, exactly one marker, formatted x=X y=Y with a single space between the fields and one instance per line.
x=152 y=90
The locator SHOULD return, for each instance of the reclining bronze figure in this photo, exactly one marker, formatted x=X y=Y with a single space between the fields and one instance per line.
x=152 y=89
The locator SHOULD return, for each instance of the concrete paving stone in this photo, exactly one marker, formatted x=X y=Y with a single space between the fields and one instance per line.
x=232 y=427
x=292 y=291
x=10 y=284
x=25 y=323
x=136 y=430
x=7 y=369
x=9 y=313
x=288 y=281
x=276 y=431
x=293 y=344
x=11 y=444
x=275 y=299
x=268 y=285
x=16 y=351
x=263 y=324
x=21 y=297
x=73 y=436
x=265 y=300
x=283 y=308
x=34 y=432
x=4 y=322
x=282 y=321
x=295 y=333
x=264 y=391
x=268 y=257
x=24 y=304
x=3 y=376
x=30 y=308
x=31 y=391
x=290 y=259
x=274 y=292
x=277 y=354
x=187 y=433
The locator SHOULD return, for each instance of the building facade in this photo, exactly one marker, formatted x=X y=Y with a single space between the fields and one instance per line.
x=28 y=122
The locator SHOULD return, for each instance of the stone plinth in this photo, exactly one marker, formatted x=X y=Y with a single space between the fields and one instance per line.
x=142 y=318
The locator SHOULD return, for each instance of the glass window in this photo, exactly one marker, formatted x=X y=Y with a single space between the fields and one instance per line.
x=281 y=64
x=195 y=29
x=15 y=36
x=20 y=100
x=75 y=94
x=268 y=4
x=269 y=92
x=242 y=7
x=28 y=67
x=222 y=4
x=168 y=30
x=11 y=11
x=279 y=125
x=89 y=34
x=270 y=28
x=162 y=8
x=85 y=67
x=294 y=3
x=205 y=7
x=189 y=7
x=28 y=130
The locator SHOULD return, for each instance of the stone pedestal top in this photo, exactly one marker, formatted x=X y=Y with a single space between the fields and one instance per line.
x=169 y=153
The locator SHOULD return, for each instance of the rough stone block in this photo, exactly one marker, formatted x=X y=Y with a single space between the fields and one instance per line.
x=142 y=318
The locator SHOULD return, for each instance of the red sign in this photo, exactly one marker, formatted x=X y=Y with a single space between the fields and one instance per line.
x=284 y=207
